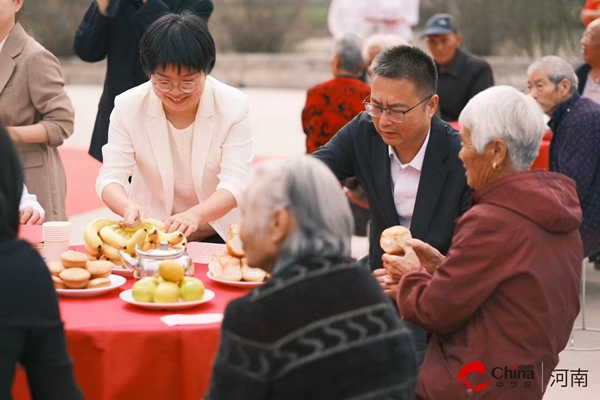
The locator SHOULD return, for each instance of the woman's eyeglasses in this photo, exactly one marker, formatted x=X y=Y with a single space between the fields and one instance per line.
x=185 y=87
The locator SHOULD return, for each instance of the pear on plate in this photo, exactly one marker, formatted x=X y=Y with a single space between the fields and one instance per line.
x=191 y=289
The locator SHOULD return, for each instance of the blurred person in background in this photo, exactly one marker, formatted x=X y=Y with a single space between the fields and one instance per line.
x=508 y=292
x=112 y=29
x=344 y=18
x=575 y=146
x=320 y=328
x=588 y=73
x=366 y=18
x=461 y=75
x=590 y=11
x=392 y=17
x=332 y=104
x=376 y=44
x=31 y=331
x=35 y=109
x=184 y=138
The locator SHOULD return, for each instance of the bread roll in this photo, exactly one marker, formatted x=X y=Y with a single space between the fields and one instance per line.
x=394 y=239
x=253 y=274
x=234 y=242
x=224 y=266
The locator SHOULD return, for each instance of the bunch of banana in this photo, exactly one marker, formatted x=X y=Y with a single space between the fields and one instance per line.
x=104 y=238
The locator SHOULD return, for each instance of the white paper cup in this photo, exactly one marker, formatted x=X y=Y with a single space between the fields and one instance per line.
x=56 y=231
x=53 y=249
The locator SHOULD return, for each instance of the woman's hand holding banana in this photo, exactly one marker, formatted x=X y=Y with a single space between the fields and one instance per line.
x=186 y=222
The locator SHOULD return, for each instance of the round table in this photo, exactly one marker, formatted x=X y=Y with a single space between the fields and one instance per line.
x=124 y=352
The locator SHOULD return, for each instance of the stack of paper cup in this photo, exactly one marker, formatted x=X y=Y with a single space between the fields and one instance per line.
x=57 y=236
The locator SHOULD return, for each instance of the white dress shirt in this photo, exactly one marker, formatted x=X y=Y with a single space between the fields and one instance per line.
x=2 y=42
x=30 y=200
x=405 y=182
x=591 y=90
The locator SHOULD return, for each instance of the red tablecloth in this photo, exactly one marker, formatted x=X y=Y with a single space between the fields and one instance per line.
x=122 y=352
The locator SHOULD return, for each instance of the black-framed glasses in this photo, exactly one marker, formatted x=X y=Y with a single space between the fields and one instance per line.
x=394 y=115
x=185 y=87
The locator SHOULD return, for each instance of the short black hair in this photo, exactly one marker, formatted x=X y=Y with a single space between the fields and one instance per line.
x=11 y=187
x=407 y=62
x=178 y=40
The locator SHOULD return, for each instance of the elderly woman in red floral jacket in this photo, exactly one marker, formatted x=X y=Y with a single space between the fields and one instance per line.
x=332 y=104
x=501 y=306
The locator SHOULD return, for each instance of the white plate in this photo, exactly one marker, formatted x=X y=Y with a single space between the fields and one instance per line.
x=237 y=284
x=122 y=271
x=127 y=297
x=115 y=282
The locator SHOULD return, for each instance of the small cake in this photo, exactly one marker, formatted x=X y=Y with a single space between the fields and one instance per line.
x=98 y=283
x=58 y=283
x=55 y=267
x=99 y=269
x=75 y=278
x=73 y=259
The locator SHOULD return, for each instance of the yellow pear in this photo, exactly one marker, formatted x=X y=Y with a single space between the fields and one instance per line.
x=150 y=279
x=191 y=289
x=171 y=271
x=166 y=292
x=143 y=291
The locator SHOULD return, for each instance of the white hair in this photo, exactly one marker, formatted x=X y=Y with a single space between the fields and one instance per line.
x=309 y=190
x=502 y=112
x=384 y=42
x=557 y=69
x=348 y=49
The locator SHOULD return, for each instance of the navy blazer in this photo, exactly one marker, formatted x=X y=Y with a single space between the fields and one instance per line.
x=442 y=196
x=117 y=38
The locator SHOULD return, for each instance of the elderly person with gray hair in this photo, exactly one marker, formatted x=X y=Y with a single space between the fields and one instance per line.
x=320 y=328
x=507 y=293
x=575 y=147
x=376 y=44
x=332 y=104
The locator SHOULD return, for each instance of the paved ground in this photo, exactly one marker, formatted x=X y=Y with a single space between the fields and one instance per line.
x=276 y=123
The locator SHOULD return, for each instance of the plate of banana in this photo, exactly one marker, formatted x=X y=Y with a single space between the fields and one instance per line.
x=104 y=238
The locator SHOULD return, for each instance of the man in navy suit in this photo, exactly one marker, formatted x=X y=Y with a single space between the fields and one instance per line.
x=405 y=157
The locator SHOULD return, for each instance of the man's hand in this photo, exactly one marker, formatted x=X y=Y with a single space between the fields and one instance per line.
x=30 y=216
x=103 y=6
x=186 y=222
x=387 y=283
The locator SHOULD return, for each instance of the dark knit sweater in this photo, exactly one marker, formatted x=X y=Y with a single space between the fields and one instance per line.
x=31 y=332
x=319 y=329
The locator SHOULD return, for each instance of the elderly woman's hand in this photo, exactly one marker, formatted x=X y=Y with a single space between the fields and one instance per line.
x=429 y=256
x=398 y=266
x=388 y=284
x=132 y=215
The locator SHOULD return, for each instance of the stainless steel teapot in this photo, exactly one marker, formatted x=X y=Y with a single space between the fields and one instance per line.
x=147 y=262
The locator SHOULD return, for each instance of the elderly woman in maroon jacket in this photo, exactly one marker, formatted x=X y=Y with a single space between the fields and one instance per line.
x=501 y=306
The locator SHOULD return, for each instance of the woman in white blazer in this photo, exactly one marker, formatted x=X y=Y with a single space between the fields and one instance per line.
x=184 y=138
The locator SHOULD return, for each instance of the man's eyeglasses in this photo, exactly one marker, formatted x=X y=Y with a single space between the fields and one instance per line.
x=185 y=87
x=394 y=115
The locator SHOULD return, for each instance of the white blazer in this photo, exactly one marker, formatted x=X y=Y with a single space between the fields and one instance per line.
x=138 y=146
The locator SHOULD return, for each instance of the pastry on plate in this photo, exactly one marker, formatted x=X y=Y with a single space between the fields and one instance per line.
x=58 y=283
x=75 y=278
x=55 y=267
x=223 y=265
x=73 y=259
x=99 y=269
x=98 y=283
x=234 y=242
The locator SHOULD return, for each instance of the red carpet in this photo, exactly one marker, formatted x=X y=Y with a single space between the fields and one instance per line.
x=82 y=171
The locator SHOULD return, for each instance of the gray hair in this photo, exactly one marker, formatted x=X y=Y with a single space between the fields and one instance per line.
x=384 y=42
x=557 y=68
x=348 y=49
x=309 y=190
x=502 y=112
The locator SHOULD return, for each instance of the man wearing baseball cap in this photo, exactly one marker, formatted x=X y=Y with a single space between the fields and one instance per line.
x=461 y=75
